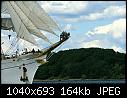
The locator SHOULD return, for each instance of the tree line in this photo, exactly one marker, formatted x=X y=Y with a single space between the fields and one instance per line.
x=84 y=63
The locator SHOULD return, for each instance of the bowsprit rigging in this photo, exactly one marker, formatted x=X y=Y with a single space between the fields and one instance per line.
x=27 y=19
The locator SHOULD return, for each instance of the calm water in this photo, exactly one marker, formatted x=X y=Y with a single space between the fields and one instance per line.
x=89 y=81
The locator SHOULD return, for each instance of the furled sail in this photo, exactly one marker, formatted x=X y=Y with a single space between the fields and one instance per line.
x=28 y=18
x=6 y=24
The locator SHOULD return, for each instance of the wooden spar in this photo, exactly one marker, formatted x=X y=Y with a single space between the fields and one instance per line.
x=63 y=37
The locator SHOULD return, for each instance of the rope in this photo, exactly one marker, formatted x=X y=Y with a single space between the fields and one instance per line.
x=34 y=62
x=54 y=52
x=9 y=49
x=17 y=66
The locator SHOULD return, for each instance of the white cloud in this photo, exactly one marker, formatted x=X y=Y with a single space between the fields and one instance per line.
x=117 y=29
x=100 y=30
x=111 y=36
x=70 y=7
x=103 y=44
x=68 y=27
x=115 y=11
x=94 y=43
x=118 y=49
x=111 y=11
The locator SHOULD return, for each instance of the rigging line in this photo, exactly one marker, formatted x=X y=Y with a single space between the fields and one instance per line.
x=17 y=66
x=6 y=23
x=6 y=52
x=17 y=34
x=26 y=19
x=20 y=19
x=25 y=44
x=19 y=30
x=57 y=25
x=12 y=46
x=4 y=9
x=18 y=16
x=53 y=20
x=49 y=17
x=9 y=49
x=42 y=20
x=54 y=51
x=38 y=17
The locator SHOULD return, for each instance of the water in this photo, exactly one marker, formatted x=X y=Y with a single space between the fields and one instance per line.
x=89 y=81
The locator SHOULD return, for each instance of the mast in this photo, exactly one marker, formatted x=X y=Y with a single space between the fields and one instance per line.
x=31 y=20
x=27 y=21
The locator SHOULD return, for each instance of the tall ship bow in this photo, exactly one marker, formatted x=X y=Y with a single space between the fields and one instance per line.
x=27 y=19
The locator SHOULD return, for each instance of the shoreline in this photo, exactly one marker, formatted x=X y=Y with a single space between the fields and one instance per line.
x=81 y=81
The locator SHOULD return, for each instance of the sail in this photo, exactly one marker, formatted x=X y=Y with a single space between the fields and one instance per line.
x=28 y=19
x=28 y=23
x=44 y=18
x=6 y=24
x=40 y=24
x=20 y=28
x=4 y=8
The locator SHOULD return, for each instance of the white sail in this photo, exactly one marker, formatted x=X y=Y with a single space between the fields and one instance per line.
x=27 y=22
x=44 y=18
x=4 y=8
x=40 y=24
x=6 y=24
x=19 y=26
x=32 y=17
x=26 y=19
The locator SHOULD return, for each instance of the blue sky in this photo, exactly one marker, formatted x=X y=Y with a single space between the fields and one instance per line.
x=90 y=23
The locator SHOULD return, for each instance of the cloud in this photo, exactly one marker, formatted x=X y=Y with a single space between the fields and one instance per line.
x=111 y=36
x=111 y=11
x=94 y=43
x=118 y=49
x=103 y=44
x=68 y=7
x=117 y=29
x=68 y=27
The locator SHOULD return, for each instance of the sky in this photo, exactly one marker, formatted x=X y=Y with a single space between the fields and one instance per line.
x=91 y=24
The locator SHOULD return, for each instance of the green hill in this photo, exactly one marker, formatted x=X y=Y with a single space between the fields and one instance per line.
x=84 y=63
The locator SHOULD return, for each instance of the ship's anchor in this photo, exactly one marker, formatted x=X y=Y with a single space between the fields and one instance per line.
x=24 y=77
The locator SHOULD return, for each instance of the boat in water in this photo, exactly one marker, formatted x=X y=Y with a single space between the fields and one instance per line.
x=27 y=19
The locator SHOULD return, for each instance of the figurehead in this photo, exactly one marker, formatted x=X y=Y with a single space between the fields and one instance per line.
x=64 y=36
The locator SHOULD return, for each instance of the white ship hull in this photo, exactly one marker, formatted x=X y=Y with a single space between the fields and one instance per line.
x=27 y=21
x=12 y=71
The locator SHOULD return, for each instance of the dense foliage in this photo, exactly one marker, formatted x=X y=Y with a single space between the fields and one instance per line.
x=84 y=63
